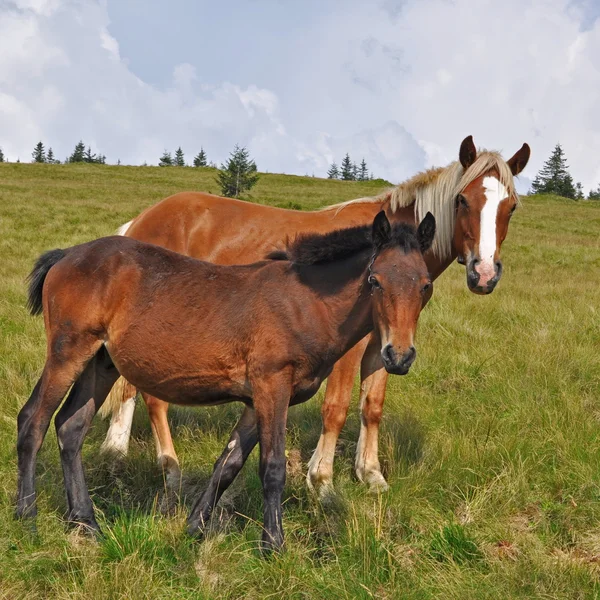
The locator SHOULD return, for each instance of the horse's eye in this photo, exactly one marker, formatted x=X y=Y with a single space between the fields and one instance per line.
x=461 y=201
x=425 y=288
x=373 y=282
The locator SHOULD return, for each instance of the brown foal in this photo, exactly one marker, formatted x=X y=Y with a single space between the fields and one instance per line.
x=194 y=333
x=472 y=200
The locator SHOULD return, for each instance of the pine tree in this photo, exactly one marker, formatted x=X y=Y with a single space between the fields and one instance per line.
x=346 y=172
x=200 y=159
x=166 y=160
x=2 y=157
x=594 y=194
x=50 y=156
x=238 y=174
x=78 y=154
x=333 y=172
x=579 y=195
x=88 y=157
x=179 y=158
x=363 y=173
x=39 y=153
x=554 y=177
x=354 y=171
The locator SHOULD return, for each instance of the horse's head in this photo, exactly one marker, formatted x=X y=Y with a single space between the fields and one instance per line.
x=399 y=282
x=483 y=211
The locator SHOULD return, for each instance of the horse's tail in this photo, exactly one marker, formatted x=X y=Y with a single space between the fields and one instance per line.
x=121 y=391
x=37 y=277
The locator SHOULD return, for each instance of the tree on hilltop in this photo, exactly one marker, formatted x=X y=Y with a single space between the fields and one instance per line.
x=554 y=176
x=166 y=160
x=78 y=154
x=363 y=172
x=39 y=153
x=594 y=194
x=346 y=171
x=179 y=158
x=238 y=174
x=333 y=172
x=200 y=158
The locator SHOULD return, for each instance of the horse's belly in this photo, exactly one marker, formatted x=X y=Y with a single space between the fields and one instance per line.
x=180 y=379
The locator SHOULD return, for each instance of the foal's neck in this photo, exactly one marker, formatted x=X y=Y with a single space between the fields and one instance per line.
x=342 y=288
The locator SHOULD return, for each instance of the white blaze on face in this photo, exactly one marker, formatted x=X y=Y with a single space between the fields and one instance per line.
x=495 y=194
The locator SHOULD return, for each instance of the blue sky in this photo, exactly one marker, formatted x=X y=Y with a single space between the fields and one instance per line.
x=398 y=82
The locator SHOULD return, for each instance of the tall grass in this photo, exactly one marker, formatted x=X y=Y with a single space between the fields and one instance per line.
x=490 y=444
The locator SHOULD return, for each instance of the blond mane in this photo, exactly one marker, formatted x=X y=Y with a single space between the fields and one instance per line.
x=435 y=191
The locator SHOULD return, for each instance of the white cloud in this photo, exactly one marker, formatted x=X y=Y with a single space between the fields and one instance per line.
x=400 y=84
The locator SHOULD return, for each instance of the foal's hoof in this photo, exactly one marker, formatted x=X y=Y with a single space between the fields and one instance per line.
x=269 y=547
x=196 y=532
x=86 y=526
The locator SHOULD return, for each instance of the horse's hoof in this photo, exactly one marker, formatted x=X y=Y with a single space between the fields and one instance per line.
x=378 y=485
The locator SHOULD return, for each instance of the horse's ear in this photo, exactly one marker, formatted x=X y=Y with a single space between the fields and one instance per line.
x=426 y=232
x=467 y=153
x=382 y=230
x=519 y=161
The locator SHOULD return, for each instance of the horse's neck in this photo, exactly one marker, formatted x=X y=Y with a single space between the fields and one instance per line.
x=435 y=264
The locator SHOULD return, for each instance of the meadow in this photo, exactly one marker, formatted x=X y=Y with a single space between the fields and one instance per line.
x=491 y=444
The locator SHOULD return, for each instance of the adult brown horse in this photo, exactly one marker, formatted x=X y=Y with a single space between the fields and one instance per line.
x=195 y=333
x=472 y=201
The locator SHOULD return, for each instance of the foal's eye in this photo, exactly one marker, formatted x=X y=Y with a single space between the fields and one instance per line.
x=425 y=288
x=461 y=201
x=373 y=282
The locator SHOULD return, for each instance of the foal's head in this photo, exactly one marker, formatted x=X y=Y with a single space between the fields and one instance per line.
x=483 y=211
x=400 y=283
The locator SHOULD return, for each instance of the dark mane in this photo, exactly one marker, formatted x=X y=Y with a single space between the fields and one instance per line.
x=317 y=248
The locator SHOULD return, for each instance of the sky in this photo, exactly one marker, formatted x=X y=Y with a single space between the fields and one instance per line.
x=399 y=83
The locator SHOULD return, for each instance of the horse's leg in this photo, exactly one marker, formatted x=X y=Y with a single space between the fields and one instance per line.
x=271 y=406
x=372 y=395
x=72 y=424
x=241 y=442
x=60 y=371
x=334 y=411
x=122 y=401
x=165 y=451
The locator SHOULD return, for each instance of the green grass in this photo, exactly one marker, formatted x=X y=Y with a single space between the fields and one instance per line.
x=491 y=445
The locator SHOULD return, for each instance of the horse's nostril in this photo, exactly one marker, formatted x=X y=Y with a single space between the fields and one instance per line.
x=388 y=354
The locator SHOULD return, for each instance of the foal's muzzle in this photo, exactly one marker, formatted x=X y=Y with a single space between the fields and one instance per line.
x=398 y=365
x=479 y=280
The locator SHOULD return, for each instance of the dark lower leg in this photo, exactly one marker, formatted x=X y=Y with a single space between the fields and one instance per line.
x=32 y=425
x=272 y=474
x=72 y=424
x=242 y=441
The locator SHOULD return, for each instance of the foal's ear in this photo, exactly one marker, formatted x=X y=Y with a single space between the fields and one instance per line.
x=519 y=161
x=467 y=153
x=382 y=230
x=426 y=232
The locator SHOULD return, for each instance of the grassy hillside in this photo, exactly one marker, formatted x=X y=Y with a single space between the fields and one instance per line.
x=491 y=444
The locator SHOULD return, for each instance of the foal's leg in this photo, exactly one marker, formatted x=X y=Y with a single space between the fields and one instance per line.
x=165 y=451
x=242 y=441
x=271 y=405
x=60 y=370
x=372 y=395
x=72 y=424
x=334 y=411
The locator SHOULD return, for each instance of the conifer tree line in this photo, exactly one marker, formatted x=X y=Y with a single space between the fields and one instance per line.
x=554 y=178
x=349 y=171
